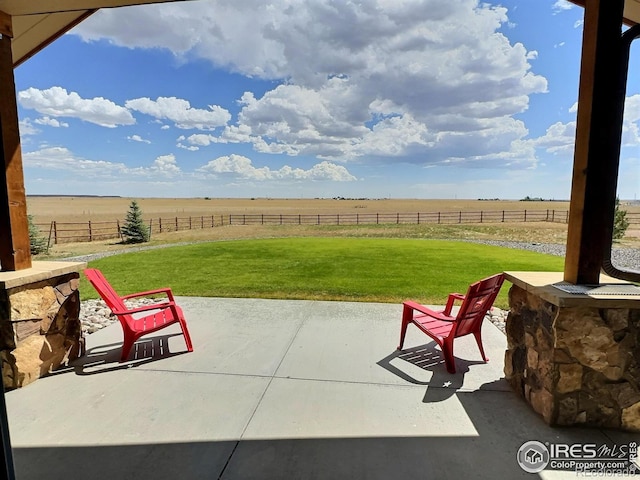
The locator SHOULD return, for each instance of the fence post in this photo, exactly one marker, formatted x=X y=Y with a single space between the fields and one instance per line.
x=502 y=216
x=318 y=219
x=244 y=219
x=160 y=224
x=202 y=222
x=299 y=219
x=176 y=224
x=481 y=215
x=50 y=233
x=90 y=235
x=338 y=219
x=262 y=219
x=438 y=218
x=418 y=218
x=553 y=215
x=280 y=219
x=460 y=217
x=377 y=218
x=397 y=218
x=190 y=227
x=525 y=215
x=150 y=227
x=357 y=219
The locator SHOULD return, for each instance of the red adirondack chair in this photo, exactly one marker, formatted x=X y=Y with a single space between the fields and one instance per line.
x=444 y=328
x=160 y=314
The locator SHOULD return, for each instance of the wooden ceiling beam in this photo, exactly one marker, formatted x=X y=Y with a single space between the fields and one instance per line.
x=6 y=28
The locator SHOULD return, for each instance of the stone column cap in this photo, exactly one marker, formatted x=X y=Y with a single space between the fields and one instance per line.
x=41 y=270
x=542 y=284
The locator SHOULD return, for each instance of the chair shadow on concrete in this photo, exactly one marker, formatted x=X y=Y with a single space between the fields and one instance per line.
x=442 y=384
x=106 y=358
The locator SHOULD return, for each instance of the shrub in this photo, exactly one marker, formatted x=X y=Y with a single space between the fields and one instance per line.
x=39 y=244
x=620 y=222
x=134 y=229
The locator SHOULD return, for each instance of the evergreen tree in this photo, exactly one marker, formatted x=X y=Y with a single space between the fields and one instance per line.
x=620 y=222
x=134 y=230
x=39 y=244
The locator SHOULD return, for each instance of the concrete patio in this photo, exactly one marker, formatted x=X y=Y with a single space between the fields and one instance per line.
x=281 y=389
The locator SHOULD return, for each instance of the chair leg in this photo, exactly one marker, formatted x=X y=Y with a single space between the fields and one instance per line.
x=185 y=332
x=447 y=351
x=478 y=335
x=407 y=318
x=127 y=345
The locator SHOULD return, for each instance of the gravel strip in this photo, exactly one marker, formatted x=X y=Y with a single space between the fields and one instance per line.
x=96 y=256
x=627 y=258
x=95 y=315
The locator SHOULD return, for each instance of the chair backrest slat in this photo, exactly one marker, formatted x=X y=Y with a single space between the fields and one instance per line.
x=478 y=301
x=106 y=291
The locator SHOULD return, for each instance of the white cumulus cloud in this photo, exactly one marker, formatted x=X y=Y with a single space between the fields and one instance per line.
x=560 y=137
x=349 y=75
x=138 y=138
x=243 y=168
x=166 y=165
x=562 y=5
x=181 y=112
x=26 y=128
x=631 y=121
x=57 y=102
x=51 y=122
x=199 y=139
x=62 y=159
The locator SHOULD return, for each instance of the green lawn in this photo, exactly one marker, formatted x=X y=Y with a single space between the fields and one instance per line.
x=350 y=269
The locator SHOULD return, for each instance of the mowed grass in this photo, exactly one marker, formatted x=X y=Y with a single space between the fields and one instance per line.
x=346 y=269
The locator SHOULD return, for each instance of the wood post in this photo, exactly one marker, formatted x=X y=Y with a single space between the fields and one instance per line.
x=597 y=148
x=15 y=250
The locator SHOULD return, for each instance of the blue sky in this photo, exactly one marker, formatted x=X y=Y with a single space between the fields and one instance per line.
x=315 y=98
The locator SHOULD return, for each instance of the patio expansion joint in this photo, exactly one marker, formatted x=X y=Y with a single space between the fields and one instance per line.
x=257 y=405
x=348 y=382
x=200 y=372
x=274 y=376
x=394 y=385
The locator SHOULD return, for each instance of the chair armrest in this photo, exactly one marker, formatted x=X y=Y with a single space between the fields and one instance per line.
x=146 y=308
x=450 y=301
x=427 y=311
x=167 y=291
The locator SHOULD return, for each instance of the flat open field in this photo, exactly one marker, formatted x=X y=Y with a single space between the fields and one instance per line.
x=109 y=209
x=95 y=209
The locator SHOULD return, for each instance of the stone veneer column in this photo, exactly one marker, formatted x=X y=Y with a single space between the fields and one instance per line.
x=39 y=321
x=575 y=365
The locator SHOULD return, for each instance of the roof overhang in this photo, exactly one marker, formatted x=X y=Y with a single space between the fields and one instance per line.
x=631 y=10
x=34 y=24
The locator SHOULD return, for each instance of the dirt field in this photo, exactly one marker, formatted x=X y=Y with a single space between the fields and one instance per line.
x=95 y=209
x=101 y=209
